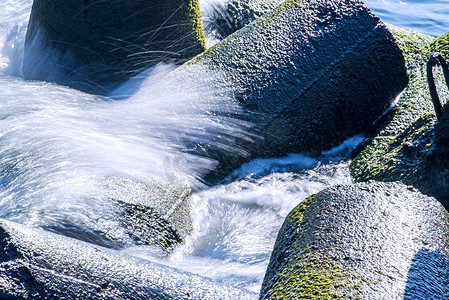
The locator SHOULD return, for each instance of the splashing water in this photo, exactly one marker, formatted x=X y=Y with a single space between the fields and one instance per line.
x=13 y=24
x=59 y=147
x=209 y=9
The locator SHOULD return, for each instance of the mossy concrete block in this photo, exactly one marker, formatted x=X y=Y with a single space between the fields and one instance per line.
x=229 y=17
x=308 y=75
x=152 y=213
x=442 y=45
x=149 y=213
x=36 y=264
x=408 y=143
x=364 y=241
x=94 y=45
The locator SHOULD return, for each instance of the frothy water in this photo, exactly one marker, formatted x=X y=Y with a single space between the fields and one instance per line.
x=59 y=148
x=209 y=9
x=236 y=224
x=13 y=24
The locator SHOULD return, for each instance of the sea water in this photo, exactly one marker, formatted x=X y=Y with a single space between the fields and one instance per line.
x=426 y=16
x=59 y=146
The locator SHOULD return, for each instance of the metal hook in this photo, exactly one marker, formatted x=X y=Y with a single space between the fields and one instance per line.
x=434 y=58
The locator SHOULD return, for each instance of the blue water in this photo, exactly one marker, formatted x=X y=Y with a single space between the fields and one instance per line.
x=58 y=144
x=426 y=16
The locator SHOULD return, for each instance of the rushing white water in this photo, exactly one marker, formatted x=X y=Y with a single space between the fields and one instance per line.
x=58 y=146
x=209 y=8
x=236 y=224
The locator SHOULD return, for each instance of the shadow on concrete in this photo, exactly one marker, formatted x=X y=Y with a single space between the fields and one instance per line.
x=428 y=276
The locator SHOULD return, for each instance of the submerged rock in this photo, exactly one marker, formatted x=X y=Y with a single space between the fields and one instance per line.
x=36 y=264
x=363 y=241
x=149 y=213
x=95 y=45
x=409 y=144
x=152 y=213
x=308 y=75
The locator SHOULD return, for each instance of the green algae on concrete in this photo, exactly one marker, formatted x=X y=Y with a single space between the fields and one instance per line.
x=312 y=278
x=441 y=45
x=362 y=241
x=96 y=45
x=152 y=213
x=403 y=145
x=307 y=275
x=196 y=29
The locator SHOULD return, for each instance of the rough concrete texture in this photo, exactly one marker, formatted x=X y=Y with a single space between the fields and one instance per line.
x=408 y=144
x=308 y=75
x=364 y=241
x=36 y=264
x=94 y=45
x=141 y=213
x=442 y=45
x=152 y=213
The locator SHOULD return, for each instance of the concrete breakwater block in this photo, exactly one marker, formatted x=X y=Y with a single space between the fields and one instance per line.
x=308 y=75
x=410 y=144
x=151 y=213
x=146 y=213
x=364 y=241
x=95 y=45
x=37 y=264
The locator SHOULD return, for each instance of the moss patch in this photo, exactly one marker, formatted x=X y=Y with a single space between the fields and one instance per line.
x=196 y=21
x=398 y=157
x=152 y=213
x=312 y=277
x=403 y=140
x=300 y=266
x=296 y=216
x=441 y=45
x=147 y=227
